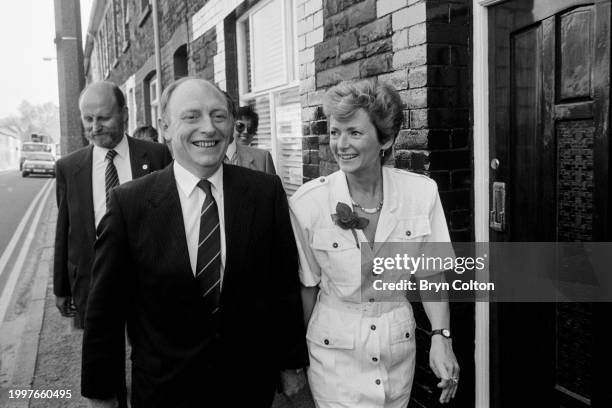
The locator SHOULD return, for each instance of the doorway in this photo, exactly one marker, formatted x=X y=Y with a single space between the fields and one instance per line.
x=549 y=83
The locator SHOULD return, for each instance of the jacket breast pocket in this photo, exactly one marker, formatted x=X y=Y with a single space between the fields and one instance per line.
x=332 y=361
x=414 y=229
x=338 y=255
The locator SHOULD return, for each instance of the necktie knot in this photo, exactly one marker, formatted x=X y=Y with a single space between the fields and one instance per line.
x=204 y=185
x=110 y=155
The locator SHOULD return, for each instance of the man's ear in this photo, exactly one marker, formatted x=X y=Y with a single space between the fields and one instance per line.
x=125 y=116
x=162 y=127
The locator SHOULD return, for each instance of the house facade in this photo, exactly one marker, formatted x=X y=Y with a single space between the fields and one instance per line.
x=479 y=92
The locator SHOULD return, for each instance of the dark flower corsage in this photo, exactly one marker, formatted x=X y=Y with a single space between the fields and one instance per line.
x=346 y=218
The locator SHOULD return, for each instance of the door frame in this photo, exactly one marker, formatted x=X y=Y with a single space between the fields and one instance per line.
x=480 y=91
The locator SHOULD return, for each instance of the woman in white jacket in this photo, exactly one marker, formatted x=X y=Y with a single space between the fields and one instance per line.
x=362 y=351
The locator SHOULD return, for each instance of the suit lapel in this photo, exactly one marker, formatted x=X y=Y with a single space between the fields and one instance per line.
x=237 y=217
x=82 y=174
x=166 y=205
x=139 y=160
x=245 y=159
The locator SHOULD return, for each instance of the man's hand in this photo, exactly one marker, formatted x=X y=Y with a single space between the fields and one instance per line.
x=444 y=365
x=65 y=306
x=98 y=403
x=292 y=381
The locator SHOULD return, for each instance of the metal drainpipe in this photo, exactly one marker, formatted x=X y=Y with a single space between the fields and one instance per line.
x=158 y=64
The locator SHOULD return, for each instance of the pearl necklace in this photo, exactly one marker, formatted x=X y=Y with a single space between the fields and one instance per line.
x=369 y=210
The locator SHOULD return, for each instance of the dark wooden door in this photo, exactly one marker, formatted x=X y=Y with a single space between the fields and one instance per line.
x=549 y=97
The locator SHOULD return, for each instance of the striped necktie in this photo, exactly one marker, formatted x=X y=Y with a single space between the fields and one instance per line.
x=110 y=175
x=208 y=269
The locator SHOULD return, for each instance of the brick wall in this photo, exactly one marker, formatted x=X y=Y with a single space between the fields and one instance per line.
x=310 y=33
x=204 y=49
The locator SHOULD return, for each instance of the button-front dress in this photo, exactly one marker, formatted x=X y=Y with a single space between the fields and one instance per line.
x=362 y=352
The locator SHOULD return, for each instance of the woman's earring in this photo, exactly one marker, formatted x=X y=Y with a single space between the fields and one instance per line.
x=382 y=153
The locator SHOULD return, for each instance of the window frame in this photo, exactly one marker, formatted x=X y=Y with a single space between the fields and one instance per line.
x=290 y=48
x=290 y=57
x=153 y=101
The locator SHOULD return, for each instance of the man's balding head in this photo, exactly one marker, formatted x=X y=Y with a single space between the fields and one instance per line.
x=103 y=113
x=197 y=119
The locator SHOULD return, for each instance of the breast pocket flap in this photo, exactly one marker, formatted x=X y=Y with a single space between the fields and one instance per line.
x=411 y=228
x=332 y=240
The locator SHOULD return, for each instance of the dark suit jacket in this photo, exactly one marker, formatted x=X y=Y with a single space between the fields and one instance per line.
x=254 y=158
x=142 y=275
x=75 y=231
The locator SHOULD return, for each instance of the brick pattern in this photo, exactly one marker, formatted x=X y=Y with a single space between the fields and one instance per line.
x=213 y=12
x=310 y=33
x=203 y=52
x=219 y=58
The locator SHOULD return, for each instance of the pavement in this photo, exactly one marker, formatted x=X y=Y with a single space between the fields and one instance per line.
x=40 y=349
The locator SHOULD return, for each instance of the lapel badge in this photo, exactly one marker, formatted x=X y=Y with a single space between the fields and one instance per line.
x=145 y=166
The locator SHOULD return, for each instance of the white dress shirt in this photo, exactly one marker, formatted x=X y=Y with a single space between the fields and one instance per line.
x=98 y=178
x=192 y=197
x=231 y=153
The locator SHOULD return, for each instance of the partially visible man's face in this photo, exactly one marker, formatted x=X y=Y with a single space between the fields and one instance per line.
x=102 y=119
x=243 y=131
x=199 y=125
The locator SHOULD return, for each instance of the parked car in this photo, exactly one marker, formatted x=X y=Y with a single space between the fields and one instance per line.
x=39 y=163
x=28 y=149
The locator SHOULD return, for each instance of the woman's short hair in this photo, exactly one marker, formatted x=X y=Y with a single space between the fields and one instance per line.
x=380 y=100
x=247 y=112
x=146 y=133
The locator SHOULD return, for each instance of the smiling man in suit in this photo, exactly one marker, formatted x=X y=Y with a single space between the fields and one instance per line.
x=84 y=179
x=210 y=294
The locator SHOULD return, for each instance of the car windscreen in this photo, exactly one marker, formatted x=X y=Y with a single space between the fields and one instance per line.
x=41 y=157
x=31 y=147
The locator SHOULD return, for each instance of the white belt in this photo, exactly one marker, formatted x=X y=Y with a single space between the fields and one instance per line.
x=362 y=308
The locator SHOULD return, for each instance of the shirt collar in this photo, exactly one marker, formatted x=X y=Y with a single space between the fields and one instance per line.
x=122 y=150
x=188 y=182
x=340 y=191
x=231 y=150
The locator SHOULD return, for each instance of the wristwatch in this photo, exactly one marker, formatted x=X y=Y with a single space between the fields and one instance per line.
x=442 y=332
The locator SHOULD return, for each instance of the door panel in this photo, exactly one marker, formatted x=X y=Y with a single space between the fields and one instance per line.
x=549 y=96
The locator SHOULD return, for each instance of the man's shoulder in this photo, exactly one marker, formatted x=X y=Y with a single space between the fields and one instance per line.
x=74 y=157
x=247 y=175
x=254 y=151
x=140 y=186
x=148 y=146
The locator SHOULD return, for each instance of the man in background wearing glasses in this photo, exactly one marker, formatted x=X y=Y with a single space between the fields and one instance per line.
x=239 y=152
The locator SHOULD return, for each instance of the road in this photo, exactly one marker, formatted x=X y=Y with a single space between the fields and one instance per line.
x=25 y=233
x=21 y=204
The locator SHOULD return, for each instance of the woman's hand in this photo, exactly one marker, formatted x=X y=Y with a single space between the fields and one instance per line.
x=444 y=365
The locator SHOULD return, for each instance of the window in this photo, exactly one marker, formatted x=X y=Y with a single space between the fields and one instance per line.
x=109 y=31
x=144 y=4
x=123 y=25
x=151 y=99
x=180 y=62
x=103 y=43
x=131 y=100
x=145 y=10
x=268 y=81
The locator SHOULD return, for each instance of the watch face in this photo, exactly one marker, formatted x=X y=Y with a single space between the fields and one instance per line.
x=446 y=332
